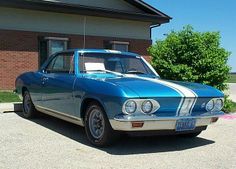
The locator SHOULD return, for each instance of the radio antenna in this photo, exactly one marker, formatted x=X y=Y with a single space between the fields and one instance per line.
x=85 y=22
x=84 y=43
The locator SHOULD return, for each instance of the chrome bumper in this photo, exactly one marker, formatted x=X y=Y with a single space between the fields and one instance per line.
x=152 y=122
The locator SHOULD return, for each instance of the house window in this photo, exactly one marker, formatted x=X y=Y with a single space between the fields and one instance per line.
x=117 y=45
x=49 y=46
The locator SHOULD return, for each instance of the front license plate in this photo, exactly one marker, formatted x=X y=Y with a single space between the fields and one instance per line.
x=185 y=124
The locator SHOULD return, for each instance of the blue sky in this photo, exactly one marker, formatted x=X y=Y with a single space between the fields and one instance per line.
x=203 y=15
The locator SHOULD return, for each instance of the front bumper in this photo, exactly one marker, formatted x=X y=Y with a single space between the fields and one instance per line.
x=155 y=123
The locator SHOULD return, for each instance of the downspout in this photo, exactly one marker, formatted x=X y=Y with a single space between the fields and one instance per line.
x=151 y=27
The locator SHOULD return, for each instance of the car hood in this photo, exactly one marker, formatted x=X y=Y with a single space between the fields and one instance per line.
x=200 y=89
x=155 y=87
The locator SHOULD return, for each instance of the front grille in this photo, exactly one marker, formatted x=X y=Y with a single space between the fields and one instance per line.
x=181 y=106
x=186 y=106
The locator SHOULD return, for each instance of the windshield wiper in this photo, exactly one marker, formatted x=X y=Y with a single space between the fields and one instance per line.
x=135 y=72
x=106 y=71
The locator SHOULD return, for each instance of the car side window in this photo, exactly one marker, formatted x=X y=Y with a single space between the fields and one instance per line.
x=61 y=63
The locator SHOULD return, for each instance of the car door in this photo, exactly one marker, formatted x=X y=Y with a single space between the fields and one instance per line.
x=58 y=84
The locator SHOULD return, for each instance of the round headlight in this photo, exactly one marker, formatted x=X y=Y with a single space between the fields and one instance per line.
x=147 y=106
x=130 y=106
x=218 y=104
x=210 y=105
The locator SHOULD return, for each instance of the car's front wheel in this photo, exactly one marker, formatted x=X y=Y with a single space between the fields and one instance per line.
x=29 y=110
x=97 y=126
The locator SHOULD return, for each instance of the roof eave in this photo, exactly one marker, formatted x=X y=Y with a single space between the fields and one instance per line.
x=83 y=10
x=147 y=8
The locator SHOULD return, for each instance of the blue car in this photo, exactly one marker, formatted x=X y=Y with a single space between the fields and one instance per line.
x=110 y=92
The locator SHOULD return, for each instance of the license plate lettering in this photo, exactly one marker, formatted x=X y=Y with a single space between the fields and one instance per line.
x=185 y=124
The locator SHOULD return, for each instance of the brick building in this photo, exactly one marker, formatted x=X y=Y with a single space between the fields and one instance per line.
x=32 y=30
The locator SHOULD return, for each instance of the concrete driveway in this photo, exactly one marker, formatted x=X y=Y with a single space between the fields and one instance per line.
x=47 y=142
x=232 y=91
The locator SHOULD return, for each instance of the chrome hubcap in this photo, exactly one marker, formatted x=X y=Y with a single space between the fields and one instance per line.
x=96 y=124
x=27 y=104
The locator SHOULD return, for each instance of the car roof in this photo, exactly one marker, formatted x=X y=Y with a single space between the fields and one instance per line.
x=107 y=51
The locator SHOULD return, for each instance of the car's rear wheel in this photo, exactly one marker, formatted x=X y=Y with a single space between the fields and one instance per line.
x=190 y=135
x=97 y=126
x=29 y=110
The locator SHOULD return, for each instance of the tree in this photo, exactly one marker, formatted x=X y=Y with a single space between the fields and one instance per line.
x=192 y=56
x=188 y=55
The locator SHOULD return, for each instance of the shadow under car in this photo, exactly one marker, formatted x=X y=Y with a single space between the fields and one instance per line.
x=125 y=145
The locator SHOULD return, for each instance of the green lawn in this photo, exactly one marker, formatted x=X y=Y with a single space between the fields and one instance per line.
x=8 y=97
x=232 y=78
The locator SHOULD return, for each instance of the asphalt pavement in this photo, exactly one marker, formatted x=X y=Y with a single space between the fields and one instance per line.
x=47 y=142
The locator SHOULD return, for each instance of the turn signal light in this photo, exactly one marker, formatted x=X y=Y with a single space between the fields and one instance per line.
x=137 y=124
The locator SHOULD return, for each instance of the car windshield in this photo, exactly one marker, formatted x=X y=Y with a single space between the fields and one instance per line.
x=113 y=63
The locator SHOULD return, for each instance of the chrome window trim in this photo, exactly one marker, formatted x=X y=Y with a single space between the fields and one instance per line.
x=150 y=67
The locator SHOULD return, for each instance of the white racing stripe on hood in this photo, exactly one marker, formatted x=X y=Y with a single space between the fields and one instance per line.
x=188 y=100
x=183 y=91
x=156 y=81
x=186 y=91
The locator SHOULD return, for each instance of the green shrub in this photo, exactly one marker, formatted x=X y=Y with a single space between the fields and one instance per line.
x=188 y=55
x=229 y=105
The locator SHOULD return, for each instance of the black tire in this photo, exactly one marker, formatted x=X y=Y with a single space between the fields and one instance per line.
x=190 y=135
x=107 y=135
x=29 y=110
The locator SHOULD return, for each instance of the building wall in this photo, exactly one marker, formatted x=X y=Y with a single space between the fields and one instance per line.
x=30 y=20
x=110 y=4
x=19 y=51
